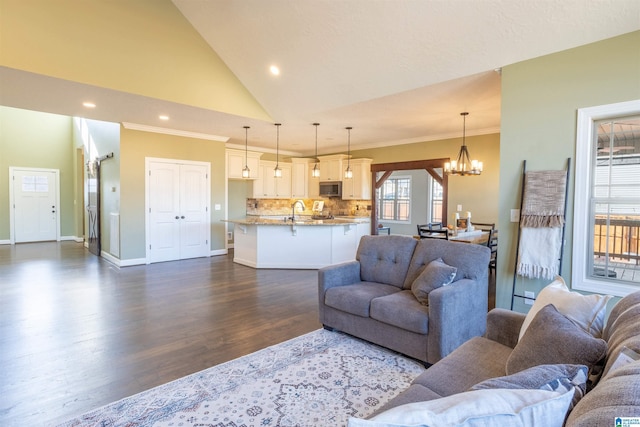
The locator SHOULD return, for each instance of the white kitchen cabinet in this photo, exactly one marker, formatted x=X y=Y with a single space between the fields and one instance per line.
x=301 y=177
x=266 y=186
x=332 y=167
x=236 y=162
x=358 y=187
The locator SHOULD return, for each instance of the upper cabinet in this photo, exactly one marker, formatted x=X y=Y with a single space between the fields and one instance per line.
x=266 y=186
x=358 y=187
x=301 y=177
x=332 y=167
x=236 y=162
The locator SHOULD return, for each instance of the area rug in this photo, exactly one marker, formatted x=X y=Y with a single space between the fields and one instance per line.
x=318 y=379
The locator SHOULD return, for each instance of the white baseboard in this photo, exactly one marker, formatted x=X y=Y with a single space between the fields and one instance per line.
x=122 y=262
x=219 y=252
x=72 y=238
x=5 y=242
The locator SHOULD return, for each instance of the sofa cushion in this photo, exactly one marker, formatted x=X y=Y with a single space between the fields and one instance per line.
x=478 y=408
x=385 y=259
x=476 y=360
x=356 y=298
x=616 y=396
x=472 y=261
x=588 y=311
x=435 y=275
x=623 y=328
x=401 y=309
x=553 y=338
x=560 y=378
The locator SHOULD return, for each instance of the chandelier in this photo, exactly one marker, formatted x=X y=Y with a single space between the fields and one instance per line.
x=463 y=165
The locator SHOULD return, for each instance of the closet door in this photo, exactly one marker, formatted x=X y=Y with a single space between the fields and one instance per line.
x=163 y=240
x=194 y=211
x=178 y=210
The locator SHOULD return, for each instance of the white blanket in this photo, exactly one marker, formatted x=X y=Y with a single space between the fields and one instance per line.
x=539 y=252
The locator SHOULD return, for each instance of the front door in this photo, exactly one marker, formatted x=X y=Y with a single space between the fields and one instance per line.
x=35 y=204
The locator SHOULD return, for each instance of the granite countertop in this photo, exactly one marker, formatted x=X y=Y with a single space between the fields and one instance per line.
x=301 y=220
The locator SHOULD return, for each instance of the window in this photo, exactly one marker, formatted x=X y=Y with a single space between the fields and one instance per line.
x=394 y=199
x=436 y=200
x=606 y=247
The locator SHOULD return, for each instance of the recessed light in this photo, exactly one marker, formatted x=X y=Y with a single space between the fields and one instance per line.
x=163 y=117
x=89 y=104
x=274 y=70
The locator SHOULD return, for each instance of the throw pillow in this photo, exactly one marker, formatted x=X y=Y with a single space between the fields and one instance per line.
x=553 y=338
x=588 y=311
x=478 y=408
x=434 y=275
x=559 y=378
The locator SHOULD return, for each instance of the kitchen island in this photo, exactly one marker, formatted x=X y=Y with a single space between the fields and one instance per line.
x=299 y=244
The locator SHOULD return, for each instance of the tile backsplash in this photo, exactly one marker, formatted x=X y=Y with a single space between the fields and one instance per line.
x=332 y=206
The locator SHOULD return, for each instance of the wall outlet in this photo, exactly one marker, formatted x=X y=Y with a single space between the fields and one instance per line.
x=529 y=297
x=217 y=207
x=515 y=215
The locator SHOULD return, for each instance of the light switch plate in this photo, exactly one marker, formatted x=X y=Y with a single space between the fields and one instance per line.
x=515 y=215
x=459 y=208
x=217 y=207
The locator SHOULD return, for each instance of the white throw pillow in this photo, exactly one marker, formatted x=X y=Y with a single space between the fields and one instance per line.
x=587 y=311
x=497 y=407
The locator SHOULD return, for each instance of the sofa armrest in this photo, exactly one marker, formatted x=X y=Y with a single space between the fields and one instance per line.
x=503 y=326
x=457 y=313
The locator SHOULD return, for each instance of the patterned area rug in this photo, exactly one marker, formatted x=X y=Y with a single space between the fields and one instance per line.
x=318 y=379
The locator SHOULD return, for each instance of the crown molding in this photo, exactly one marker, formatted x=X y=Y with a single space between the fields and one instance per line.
x=175 y=132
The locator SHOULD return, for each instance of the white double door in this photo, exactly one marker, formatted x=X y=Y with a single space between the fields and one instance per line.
x=34 y=203
x=178 y=217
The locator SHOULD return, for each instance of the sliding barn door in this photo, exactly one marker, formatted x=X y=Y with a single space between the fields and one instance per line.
x=177 y=211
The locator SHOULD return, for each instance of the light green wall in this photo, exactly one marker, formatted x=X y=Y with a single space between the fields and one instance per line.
x=37 y=140
x=237 y=199
x=135 y=146
x=478 y=194
x=540 y=99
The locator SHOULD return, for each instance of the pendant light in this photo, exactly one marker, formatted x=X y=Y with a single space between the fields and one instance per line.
x=348 y=173
x=463 y=165
x=246 y=172
x=316 y=168
x=277 y=172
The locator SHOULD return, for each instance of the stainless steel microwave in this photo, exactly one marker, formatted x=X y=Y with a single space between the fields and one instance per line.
x=331 y=189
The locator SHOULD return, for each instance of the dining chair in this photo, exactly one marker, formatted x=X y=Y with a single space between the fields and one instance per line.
x=433 y=231
x=492 y=241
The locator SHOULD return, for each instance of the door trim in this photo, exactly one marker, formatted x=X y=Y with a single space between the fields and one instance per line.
x=147 y=196
x=12 y=201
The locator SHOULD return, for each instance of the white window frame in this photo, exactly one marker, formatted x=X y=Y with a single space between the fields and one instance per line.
x=582 y=233
x=379 y=200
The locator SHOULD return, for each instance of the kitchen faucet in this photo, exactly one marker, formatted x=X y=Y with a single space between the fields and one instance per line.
x=293 y=209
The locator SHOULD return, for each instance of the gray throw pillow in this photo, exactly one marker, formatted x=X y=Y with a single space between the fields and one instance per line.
x=552 y=338
x=559 y=378
x=436 y=274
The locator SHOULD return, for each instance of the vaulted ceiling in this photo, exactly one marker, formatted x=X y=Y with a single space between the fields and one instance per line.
x=397 y=71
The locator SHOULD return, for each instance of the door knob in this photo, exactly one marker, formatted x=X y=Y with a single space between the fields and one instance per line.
x=177 y=217
x=182 y=217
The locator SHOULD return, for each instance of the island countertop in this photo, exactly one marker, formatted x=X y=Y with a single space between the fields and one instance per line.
x=306 y=243
x=302 y=220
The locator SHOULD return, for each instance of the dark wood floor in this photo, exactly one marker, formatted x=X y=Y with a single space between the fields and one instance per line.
x=77 y=333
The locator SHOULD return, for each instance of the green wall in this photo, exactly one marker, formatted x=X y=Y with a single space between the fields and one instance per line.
x=478 y=194
x=135 y=146
x=38 y=140
x=540 y=99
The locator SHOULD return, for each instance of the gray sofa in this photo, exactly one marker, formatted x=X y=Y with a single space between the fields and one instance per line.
x=616 y=394
x=371 y=297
